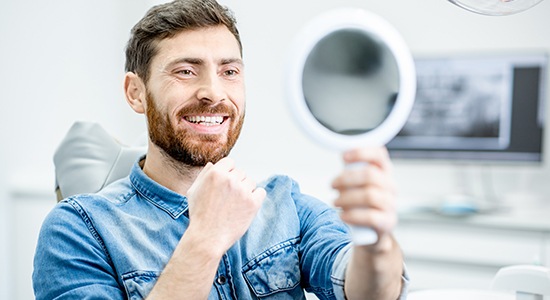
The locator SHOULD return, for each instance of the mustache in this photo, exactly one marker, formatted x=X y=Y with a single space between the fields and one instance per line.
x=198 y=108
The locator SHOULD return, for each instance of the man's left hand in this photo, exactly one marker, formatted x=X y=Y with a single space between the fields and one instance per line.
x=367 y=192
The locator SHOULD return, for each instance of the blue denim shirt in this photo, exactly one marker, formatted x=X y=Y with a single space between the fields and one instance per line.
x=114 y=245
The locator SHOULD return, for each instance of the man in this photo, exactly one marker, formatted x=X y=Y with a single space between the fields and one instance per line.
x=187 y=223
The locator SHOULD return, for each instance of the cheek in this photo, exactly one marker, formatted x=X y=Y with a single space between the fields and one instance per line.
x=238 y=97
x=164 y=101
x=165 y=88
x=241 y=106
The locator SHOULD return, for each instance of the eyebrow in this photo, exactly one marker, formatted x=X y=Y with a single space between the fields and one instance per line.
x=200 y=61
x=232 y=61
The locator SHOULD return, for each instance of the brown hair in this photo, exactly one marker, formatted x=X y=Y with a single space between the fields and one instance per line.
x=165 y=21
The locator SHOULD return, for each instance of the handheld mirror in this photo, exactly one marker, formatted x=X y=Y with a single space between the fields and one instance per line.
x=351 y=83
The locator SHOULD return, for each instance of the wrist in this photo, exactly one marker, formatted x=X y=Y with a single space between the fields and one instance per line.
x=385 y=244
x=201 y=245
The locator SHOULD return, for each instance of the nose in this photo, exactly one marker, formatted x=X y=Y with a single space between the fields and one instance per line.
x=211 y=89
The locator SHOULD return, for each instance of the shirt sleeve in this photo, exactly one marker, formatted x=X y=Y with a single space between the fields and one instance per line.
x=71 y=261
x=326 y=248
x=323 y=237
x=339 y=271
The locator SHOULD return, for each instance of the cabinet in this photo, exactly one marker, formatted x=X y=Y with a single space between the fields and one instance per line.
x=466 y=252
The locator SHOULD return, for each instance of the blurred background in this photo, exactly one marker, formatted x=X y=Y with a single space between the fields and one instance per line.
x=63 y=61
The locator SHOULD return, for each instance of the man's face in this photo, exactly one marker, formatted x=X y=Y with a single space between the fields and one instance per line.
x=195 y=95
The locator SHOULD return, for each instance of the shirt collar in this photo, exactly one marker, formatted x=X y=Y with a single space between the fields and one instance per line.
x=169 y=201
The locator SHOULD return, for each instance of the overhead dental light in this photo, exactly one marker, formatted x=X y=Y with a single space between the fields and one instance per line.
x=496 y=7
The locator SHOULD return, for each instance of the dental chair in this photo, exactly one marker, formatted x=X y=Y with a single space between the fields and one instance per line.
x=89 y=158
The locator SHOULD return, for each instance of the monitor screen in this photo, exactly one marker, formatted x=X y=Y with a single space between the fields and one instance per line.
x=476 y=108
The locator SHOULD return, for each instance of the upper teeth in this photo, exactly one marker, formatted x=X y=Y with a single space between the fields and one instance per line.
x=207 y=120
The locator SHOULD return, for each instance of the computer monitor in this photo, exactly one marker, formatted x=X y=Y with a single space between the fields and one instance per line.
x=476 y=108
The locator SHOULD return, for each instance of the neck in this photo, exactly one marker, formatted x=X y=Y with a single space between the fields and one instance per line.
x=168 y=172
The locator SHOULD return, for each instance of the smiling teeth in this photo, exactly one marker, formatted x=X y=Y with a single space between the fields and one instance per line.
x=205 y=120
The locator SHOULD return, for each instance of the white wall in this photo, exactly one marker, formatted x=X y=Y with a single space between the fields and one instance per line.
x=62 y=61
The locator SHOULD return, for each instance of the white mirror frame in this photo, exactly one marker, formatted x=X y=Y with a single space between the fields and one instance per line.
x=374 y=26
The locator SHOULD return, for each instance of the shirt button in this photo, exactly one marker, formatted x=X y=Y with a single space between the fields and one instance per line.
x=221 y=280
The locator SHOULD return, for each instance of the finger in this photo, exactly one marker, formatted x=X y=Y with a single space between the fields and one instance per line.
x=201 y=175
x=205 y=169
x=382 y=222
x=364 y=176
x=374 y=198
x=259 y=194
x=238 y=175
x=225 y=164
x=249 y=184
x=378 y=156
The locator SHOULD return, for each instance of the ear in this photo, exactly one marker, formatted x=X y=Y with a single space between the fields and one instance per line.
x=135 y=92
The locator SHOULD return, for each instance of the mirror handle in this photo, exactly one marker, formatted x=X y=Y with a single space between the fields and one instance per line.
x=361 y=235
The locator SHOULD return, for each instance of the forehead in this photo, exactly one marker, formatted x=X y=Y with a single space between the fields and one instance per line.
x=215 y=43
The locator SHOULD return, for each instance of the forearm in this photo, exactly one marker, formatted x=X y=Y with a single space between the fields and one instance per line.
x=375 y=272
x=189 y=273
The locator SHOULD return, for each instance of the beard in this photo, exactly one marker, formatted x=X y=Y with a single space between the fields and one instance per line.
x=185 y=146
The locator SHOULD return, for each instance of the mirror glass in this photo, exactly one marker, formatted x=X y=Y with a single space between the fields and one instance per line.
x=350 y=81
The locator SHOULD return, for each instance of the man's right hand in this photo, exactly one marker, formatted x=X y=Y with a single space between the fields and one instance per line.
x=223 y=201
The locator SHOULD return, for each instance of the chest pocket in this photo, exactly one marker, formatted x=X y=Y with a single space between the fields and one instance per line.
x=138 y=284
x=275 y=271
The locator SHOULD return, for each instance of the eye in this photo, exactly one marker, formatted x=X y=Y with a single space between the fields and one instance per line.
x=231 y=72
x=185 y=72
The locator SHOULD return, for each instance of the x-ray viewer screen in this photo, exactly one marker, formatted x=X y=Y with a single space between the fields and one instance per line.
x=476 y=108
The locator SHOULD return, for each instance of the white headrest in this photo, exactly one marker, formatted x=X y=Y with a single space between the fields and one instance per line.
x=89 y=158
